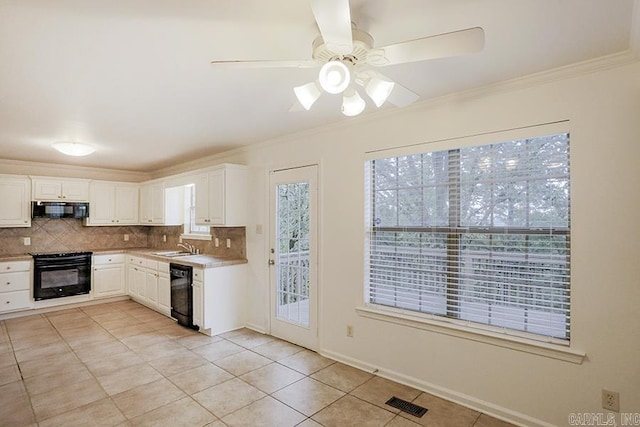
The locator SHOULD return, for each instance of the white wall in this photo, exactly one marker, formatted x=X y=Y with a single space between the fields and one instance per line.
x=604 y=112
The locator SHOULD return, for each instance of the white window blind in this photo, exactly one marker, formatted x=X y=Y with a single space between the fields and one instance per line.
x=480 y=234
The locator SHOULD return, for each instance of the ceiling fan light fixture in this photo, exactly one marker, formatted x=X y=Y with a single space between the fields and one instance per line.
x=334 y=77
x=379 y=90
x=352 y=103
x=307 y=94
x=76 y=149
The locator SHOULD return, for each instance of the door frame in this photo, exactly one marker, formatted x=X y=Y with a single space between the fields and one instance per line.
x=267 y=244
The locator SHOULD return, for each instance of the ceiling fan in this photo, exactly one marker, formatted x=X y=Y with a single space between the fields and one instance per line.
x=347 y=57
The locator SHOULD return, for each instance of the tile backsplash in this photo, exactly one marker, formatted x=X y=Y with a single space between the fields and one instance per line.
x=236 y=234
x=66 y=235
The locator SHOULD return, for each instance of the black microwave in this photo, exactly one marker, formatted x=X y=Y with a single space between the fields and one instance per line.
x=59 y=210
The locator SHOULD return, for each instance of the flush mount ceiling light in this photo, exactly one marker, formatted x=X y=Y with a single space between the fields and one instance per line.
x=73 y=148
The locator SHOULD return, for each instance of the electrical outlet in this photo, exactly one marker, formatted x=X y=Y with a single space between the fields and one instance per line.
x=26 y=241
x=164 y=238
x=228 y=243
x=611 y=400
x=216 y=242
x=126 y=237
x=350 y=331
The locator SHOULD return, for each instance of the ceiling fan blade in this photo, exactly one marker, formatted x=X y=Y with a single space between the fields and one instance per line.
x=461 y=42
x=401 y=96
x=334 y=20
x=305 y=63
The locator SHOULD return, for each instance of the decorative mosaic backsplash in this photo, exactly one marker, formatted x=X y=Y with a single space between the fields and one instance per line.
x=66 y=235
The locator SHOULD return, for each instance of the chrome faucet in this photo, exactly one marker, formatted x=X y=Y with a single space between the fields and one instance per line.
x=189 y=247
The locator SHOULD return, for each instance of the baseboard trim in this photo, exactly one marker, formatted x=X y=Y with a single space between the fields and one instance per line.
x=59 y=307
x=256 y=328
x=470 y=402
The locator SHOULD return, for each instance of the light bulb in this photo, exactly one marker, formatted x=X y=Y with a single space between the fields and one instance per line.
x=307 y=94
x=379 y=90
x=334 y=77
x=352 y=103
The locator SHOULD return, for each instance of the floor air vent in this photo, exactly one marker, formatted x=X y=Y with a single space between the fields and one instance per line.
x=408 y=407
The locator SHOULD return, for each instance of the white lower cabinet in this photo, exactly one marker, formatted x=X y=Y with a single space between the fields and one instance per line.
x=218 y=296
x=164 y=289
x=218 y=292
x=135 y=278
x=15 y=286
x=108 y=275
x=197 y=299
x=151 y=287
x=149 y=283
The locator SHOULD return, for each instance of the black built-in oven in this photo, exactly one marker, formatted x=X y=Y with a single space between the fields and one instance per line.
x=61 y=275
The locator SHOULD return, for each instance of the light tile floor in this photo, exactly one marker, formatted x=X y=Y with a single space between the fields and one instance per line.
x=122 y=364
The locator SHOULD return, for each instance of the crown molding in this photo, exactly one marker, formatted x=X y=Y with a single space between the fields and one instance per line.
x=22 y=167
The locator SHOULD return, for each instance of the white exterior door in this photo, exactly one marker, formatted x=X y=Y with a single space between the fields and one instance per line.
x=293 y=257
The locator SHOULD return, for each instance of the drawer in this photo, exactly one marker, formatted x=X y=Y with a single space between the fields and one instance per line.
x=133 y=260
x=18 y=300
x=198 y=275
x=150 y=264
x=108 y=259
x=163 y=267
x=16 y=281
x=15 y=266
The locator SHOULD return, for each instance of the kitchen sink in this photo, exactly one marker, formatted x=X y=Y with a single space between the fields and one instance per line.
x=172 y=254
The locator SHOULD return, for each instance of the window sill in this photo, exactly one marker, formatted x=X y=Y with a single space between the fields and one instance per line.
x=553 y=351
x=195 y=236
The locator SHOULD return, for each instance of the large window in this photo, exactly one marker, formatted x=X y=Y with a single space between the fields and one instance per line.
x=478 y=234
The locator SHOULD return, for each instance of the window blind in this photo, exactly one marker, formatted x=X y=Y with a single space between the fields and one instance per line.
x=480 y=234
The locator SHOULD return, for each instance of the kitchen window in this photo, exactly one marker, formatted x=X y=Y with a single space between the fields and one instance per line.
x=191 y=229
x=477 y=235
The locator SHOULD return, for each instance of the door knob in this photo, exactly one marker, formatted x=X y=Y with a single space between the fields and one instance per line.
x=271 y=262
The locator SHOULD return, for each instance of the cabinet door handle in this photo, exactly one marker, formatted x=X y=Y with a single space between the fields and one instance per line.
x=8 y=283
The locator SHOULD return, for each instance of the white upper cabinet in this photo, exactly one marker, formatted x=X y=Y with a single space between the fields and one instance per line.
x=112 y=203
x=54 y=189
x=152 y=203
x=159 y=206
x=14 y=194
x=126 y=207
x=221 y=196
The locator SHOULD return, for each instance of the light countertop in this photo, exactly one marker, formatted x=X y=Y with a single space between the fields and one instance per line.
x=197 y=261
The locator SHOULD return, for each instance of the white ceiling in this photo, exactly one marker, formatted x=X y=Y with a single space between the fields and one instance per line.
x=133 y=77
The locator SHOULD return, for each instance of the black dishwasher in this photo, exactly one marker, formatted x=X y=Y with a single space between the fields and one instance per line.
x=182 y=294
